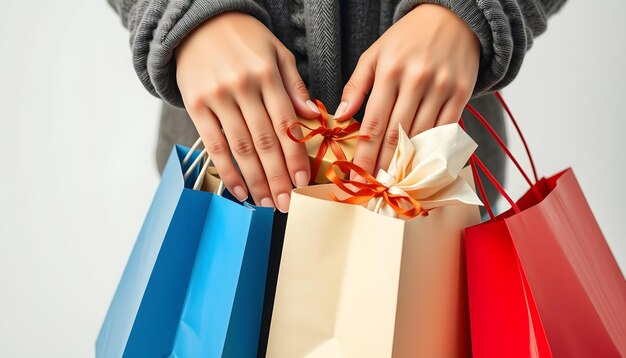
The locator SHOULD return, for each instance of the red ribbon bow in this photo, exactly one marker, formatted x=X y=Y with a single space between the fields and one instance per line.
x=332 y=137
x=371 y=189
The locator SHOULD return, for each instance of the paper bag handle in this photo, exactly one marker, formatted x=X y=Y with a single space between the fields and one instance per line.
x=519 y=132
x=193 y=148
x=503 y=146
x=475 y=161
x=205 y=166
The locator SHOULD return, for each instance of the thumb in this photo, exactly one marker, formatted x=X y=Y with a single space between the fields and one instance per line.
x=295 y=87
x=357 y=87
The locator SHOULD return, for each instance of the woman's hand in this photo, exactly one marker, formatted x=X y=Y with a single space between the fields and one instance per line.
x=421 y=73
x=235 y=75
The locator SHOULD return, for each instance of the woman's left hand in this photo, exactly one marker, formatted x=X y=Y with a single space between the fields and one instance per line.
x=421 y=73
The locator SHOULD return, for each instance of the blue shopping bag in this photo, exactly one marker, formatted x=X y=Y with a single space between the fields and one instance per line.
x=194 y=283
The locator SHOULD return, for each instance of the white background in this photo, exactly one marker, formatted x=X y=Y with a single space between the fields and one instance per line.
x=77 y=138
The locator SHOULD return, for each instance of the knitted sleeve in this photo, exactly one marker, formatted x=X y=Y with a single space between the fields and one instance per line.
x=158 y=26
x=505 y=29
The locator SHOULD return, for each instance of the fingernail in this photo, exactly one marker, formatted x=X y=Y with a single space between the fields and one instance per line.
x=283 y=202
x=267 y=202
x=302 y=179
x=312 y=106
x=240 y=193
x=342 y=108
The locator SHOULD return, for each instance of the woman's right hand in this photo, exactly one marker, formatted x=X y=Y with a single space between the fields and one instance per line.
x=235 y=75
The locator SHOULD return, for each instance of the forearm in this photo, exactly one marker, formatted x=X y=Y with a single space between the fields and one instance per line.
x=505 y=28
x=158 y=26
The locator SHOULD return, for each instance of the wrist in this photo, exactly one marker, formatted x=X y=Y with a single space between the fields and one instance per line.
x=225 y=19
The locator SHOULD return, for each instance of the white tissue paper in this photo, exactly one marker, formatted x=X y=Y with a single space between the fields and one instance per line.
x=427 y=167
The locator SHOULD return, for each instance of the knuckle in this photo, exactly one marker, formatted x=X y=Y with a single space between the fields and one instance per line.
x=300 y=87
x=443 y=82
x=257 y=186
x=228 y=174
x=365 y=161
x=364 y=58
x=289 y=56
x=295 y=156
x=350 y=87
x=266 y=142
x=195 y=103
x=390 y=70
x=236 y=80
x=426 y=69
x=216 y=91
x=282 y=123
x=463 y=89
x=263 y=72
x=239 y=82
x=421 y=75
x=374 y=128
x=218 y=148
x=277 y=179
x=392 y=138
x=243 y=147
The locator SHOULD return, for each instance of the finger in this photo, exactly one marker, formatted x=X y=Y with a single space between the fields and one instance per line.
x=294 y=85
x=411 y=92
x=427 y=112
x=282 y=115
x=357 y=87
x=216 y=145
x=453 y=108
x=242 y=147
x=374 y=125
x=268 y=149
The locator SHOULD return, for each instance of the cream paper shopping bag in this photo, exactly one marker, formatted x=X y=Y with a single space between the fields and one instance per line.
x=354 y=283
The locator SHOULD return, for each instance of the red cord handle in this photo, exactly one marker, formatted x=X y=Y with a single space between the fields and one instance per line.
x=476 y=164
x=503 y=146
x=519 y=132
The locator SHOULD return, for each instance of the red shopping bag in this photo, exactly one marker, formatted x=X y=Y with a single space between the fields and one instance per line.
x=541 y=277
x=503 y=317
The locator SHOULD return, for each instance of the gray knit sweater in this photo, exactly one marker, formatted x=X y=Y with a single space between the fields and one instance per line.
x=327 y=38
x=505 y=28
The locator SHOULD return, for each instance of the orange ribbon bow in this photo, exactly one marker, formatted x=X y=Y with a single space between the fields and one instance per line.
x=332 y=137
x=371 y=189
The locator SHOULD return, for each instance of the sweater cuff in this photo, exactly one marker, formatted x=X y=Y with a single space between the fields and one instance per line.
x=162 y=26
x=491 y=26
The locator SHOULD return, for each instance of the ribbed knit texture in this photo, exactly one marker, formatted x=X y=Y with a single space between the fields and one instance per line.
x=158 y=26
x=328 y=36
x=505 y=29
x=300 y=47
